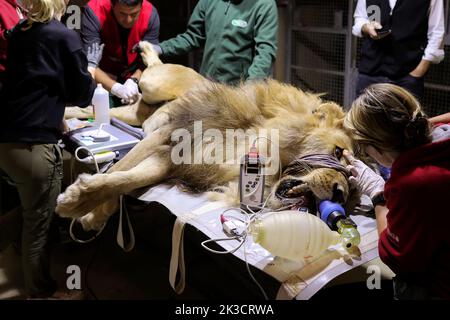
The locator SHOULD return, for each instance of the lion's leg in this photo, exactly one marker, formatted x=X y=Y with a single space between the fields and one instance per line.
x=158 y=119
x=90 y=191
x=77 y=112
x=134 y=114
x=95 y=219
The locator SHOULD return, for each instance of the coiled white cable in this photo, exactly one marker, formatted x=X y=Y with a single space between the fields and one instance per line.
x=72 y=235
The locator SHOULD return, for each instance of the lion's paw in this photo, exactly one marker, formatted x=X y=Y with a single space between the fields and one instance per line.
x=90 y=222
x=87 y=192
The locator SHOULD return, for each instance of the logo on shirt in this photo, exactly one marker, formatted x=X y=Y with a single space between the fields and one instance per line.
x=239 y=23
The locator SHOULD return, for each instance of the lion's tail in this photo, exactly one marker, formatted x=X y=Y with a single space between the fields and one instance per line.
x=149 y=54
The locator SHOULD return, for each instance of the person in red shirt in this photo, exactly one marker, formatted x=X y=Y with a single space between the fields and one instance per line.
x=388 y=124
x=120 y=25
x=10 y=15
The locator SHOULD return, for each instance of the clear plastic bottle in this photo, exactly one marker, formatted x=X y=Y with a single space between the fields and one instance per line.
x=100 y=101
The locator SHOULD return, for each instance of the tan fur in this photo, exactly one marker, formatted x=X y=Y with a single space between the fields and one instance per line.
x=306 y=125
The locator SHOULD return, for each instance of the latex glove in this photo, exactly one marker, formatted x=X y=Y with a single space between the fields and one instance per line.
x=133 y=90
x=157 y=49
x=122 y=92
x=94 y=54
x=364 y=178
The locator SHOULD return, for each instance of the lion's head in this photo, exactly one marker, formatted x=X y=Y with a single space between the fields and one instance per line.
x=318 y=172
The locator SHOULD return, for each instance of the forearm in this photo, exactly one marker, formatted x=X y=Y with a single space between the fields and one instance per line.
x=103 y=78
x=380 y=214
x=436 y=31
x=261 y=66
x=266 y=43
x=137 y=74
x=361 y=18
x=421 y=69
x=443 y=118
x=92 y=72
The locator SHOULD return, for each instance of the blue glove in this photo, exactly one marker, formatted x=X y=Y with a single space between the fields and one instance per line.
x=94 y=54
x=157 y=48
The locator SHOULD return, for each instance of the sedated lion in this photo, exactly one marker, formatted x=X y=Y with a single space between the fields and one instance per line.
x=308 y=148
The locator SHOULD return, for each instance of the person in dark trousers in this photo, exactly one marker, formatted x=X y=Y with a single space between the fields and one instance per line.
x=411 y=208
x=239 y=39
x=120 y=25
x=402 y=39
x=46 y=69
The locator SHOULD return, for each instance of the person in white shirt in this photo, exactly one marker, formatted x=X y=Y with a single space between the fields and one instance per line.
x=401 y=40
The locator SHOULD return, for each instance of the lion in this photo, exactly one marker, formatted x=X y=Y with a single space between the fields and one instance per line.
x=309 y=162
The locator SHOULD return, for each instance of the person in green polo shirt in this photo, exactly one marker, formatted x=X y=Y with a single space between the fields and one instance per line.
x=239 y=38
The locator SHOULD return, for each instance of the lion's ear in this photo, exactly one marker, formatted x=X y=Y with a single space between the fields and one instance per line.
x=330 y=114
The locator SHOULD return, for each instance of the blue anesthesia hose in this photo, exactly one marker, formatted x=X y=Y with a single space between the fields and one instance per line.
x=333 y=214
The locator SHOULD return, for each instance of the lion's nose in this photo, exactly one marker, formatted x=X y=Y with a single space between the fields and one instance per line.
x=338 y=193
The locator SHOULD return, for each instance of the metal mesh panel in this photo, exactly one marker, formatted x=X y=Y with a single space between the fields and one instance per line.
x=331 y=85
x=437 y=87
x=314 y=13
x=319 y=50
x=318 y=47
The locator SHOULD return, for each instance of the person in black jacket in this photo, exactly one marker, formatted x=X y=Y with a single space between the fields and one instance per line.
x=402 y=39
x=46 y=70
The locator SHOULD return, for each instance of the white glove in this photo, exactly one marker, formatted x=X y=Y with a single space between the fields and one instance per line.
x=127 y=93
x=133 y=90
x=364 y=178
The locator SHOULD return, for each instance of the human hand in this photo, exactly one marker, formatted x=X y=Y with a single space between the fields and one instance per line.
x=157 y=49
x=364 y=178
x=133 y=90
x=127 y=92
x=122 y=92
x=137 y=47
x=421 y=69
x=371 y=29
x=94 y=54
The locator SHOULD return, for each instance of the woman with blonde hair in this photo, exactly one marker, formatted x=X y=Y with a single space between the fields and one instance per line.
x=389 y=125
x=46 y=70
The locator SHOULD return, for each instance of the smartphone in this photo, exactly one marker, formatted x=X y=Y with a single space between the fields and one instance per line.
x=383 y=33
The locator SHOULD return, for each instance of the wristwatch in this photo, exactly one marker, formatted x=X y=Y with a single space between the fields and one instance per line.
x=135 y=80
x=378 y=200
